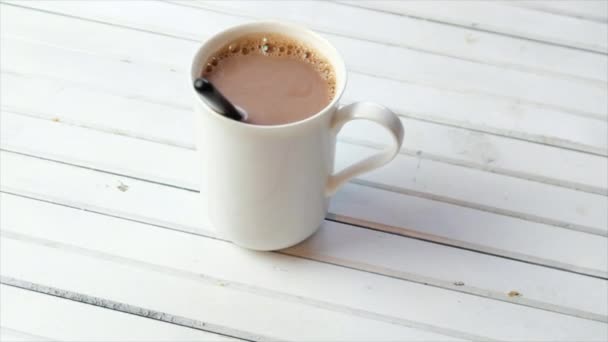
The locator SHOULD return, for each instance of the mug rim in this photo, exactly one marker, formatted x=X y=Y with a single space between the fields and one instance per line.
x=338 y=65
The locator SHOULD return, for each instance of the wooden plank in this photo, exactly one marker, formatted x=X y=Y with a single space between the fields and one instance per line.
x=472 y=273
x=504 y=19
x=398 y=63
x=495 y=115
x=469 y=336
x=596 y=10
x=424 y=217
x=252 y=313
x=11 y=335
x=149 y=204
x=487 y=152
x=256 y=276
x=429 y=36
x=502 y=194
x=457 y=146
x=452 y=145
x=408 y=215
x=46 y=315
x=116 y=106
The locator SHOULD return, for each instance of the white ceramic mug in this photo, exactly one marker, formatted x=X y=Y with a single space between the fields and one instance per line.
x=268 y=187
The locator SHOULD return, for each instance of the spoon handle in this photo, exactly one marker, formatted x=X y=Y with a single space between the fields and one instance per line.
x=214 y=98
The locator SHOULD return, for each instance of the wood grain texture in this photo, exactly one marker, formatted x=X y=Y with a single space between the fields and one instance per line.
x=424 y=35
x=244 y=273
x=512 y=118
x=414 y=66
x=260 y=314
x=491 y=224
x=484 y=275
x=136 y=200
x=176 y=166
x=59 y=319
x=456 y=146
x=509 y=20
x=591 y=218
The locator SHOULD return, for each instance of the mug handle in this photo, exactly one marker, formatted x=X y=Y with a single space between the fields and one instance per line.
x=376 y=113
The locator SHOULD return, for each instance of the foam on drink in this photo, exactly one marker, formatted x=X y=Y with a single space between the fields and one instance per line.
x=274 y=78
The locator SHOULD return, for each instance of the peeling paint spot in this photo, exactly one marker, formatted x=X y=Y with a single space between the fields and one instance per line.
x=513 y=294
x=122 y=187
x=459 y=283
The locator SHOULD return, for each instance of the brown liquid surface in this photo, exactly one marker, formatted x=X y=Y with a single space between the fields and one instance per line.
x=275 y=79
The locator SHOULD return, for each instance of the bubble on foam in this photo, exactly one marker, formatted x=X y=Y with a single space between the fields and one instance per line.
x=277 y=45
x=268 y=48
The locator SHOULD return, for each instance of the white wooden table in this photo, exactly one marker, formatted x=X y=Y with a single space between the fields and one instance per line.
x=491 y=224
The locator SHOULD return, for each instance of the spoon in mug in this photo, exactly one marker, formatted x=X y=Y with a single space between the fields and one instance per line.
x=214 y=98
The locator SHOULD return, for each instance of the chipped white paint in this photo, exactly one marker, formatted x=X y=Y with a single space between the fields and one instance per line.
x=48 y=311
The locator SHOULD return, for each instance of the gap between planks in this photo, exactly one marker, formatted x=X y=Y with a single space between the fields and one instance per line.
x=102 y=178
x=471 y=247
x=530 y=69
x=130 y=309
x=544 y=9
x=325 y=259
x=507 y=134
x=367 y=183
x=572 y=111
x=477 y=206
x=476 y=28
x=166 y=270
x=486 y=168
x=599 y=84
x=46 y=316
x=537 y=139
x=64 y=257
x=363 y=224
x=19 y=335
x=497 y=132
x=352 y=141
x=506 y=65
